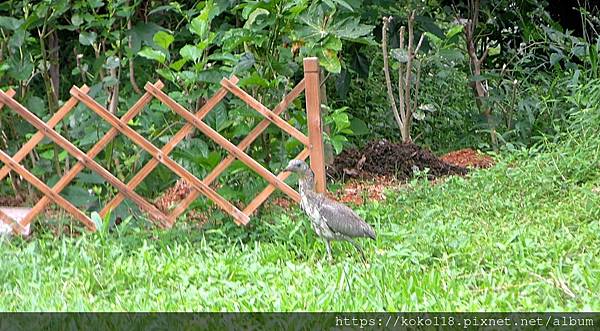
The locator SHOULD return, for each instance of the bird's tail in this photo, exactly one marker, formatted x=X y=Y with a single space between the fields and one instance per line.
x=370 y=232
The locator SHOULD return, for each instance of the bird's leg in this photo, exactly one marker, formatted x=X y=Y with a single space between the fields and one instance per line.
x=358 y=248
x=328 y=246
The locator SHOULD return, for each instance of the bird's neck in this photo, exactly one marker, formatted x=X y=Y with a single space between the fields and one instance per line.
x=307 y=181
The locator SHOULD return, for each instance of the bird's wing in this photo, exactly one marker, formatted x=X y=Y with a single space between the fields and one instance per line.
x=344 y=220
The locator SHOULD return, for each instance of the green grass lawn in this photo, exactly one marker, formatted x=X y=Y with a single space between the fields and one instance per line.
x=520 y=236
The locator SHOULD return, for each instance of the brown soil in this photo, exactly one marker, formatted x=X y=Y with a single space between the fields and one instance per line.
x=354 y=191
x=383 y=158
x=11 y=202
x=173 y=196
x=468 y=158
x=358 y=191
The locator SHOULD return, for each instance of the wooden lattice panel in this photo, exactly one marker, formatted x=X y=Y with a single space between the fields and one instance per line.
x=313 y=143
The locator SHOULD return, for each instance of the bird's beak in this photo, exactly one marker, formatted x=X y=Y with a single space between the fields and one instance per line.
x=288 y=169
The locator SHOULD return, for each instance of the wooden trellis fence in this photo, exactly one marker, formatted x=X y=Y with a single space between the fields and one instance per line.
x=313 y=149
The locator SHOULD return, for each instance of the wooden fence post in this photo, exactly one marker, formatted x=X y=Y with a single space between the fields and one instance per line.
x=315 y=129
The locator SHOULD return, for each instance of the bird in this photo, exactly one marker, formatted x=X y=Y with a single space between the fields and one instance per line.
x=331 y=220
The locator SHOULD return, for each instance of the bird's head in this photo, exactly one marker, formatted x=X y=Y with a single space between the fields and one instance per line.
x=297 y=166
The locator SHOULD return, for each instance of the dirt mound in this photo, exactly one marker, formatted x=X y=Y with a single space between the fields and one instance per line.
x=384 y=158
x=468 y=158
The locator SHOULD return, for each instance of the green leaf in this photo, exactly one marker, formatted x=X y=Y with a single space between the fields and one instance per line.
x=36 y=104
x=112 y=62
x=189 y=77
x=330 y=61
x=494 y=50
x=152 y=54
x=333 y=43
x=167 y=74
x=212 y=75
x=340 y=119
x=252 y=17
x=142 y=32
x=342 y=84
x=246 y=62
x=254 y=80
x=177 y=65
x=201 y=146
x=47 y=155
x=430 y=26
x=477 y=78
x=315 y=25
x=555 y=58
x=95 y=3
x=62 y=156
x=418 y=115
x=225 y=57
x=76 y=20
x=451 y=54
x=344 y=4
x=10 y=23
x=454 y=31
x=110 y=81
x=359 y=127
x=351 y=28
x=87 y=38
x=579 y=50
x=401 y=55
x=337 y=142
x=199 y=26
x=191 y=52
x=20 y=71
x=163 y=39
x=201 y=23
x=18 y=38
x=91 y=178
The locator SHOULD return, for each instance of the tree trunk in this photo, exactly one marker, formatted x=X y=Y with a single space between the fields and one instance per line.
x=475 y=62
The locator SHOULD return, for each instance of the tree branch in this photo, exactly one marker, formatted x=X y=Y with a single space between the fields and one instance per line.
x=410 y=49
x=134 y=84
x=401 y=85
x=386 y=69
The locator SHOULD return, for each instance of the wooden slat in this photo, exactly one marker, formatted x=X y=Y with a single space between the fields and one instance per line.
x=315 y=130
x=264 y=111
x=240 y=217
x=28 y=176
x=11 y=93
x=243 y=145
x=95 y=150
x=230 y=147
x=14 y=225
x=264 y=194
x=38 y=136
x=79 y=155
x=167 y=148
